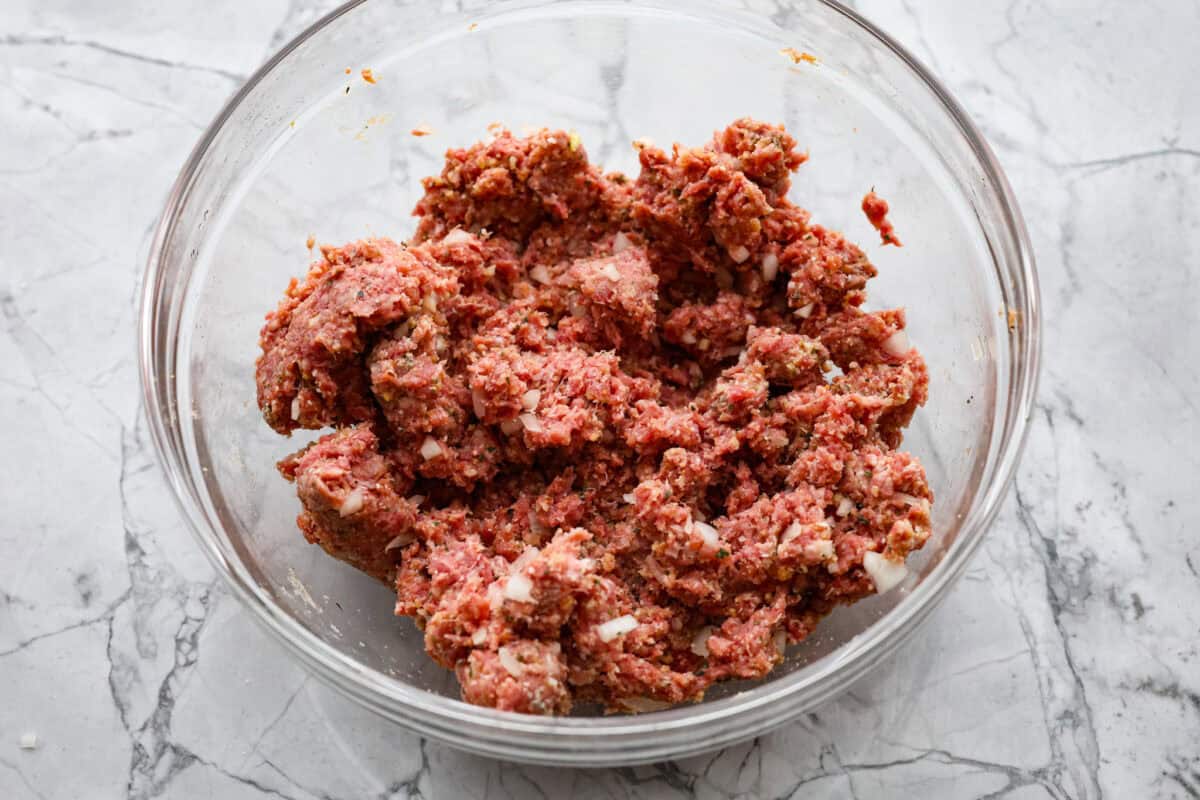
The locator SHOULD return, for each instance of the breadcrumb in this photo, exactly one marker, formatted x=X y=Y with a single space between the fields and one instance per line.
x=797 y=56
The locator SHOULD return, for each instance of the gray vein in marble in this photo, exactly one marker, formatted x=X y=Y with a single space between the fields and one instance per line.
x=56 y=40
x=1185 y=776
x=16 y=769
x=156 y=759
x=1129 y=158
x=105 y=616
x=1071 y=723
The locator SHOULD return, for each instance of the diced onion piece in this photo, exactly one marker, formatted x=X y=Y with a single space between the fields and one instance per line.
x=790 y=533
x=518 y=588
x=29 y=741
x=739 y=253
x=540 y=274
x=523 y=560
x=611 y=272
x=700 y=641
x=353 y=503
x=977 y=349
x=510 y=663
x=296 y=407
x=911 y=499
x=510 y=426
x=607 y=631
x=479 y=637
x=430 y=449
x=770 y=267
x=687 y=337
x=643 y=705
x=897 y=344
x=530 y=400
x=417 y=499
x=430 y=303
x=456 y=236
x=477 y=403
x=495 y=595
x=403 y=540
x=629 y=498
x=845 y=506
x=780 y=641
x=804 y=312
x=884 y=572
x=821 y=549
x=621 y=243
x=531 y=423
x=708 y=533
x=536 y=525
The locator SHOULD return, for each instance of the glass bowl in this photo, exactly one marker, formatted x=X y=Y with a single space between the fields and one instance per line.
x=310 y=147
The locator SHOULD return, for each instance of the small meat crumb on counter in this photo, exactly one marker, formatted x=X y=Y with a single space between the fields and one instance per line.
x=611 y=439
x=876 y=209
x=368 y=76
x=421 y=130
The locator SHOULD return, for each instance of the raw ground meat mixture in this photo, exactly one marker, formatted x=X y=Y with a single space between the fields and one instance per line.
x=612 y=440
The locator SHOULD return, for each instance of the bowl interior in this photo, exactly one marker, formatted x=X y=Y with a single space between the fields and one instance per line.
x=314 y=150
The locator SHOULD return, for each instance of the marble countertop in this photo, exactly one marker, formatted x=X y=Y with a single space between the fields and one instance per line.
x=1064 y=665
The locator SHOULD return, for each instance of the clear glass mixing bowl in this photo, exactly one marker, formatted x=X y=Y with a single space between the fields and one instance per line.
x=307 y=148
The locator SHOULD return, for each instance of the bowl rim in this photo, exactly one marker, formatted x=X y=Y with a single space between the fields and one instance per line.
x=620 y=739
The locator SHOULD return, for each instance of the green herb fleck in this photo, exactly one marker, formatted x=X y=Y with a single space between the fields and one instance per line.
x=722 y=553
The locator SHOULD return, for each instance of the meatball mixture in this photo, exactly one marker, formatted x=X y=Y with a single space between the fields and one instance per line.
x=611 y=440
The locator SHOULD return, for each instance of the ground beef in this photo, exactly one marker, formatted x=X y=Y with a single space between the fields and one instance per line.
x=610 y=440
x=876 y=209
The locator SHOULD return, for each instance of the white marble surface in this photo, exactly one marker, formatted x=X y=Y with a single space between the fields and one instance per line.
x=1064 y=665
